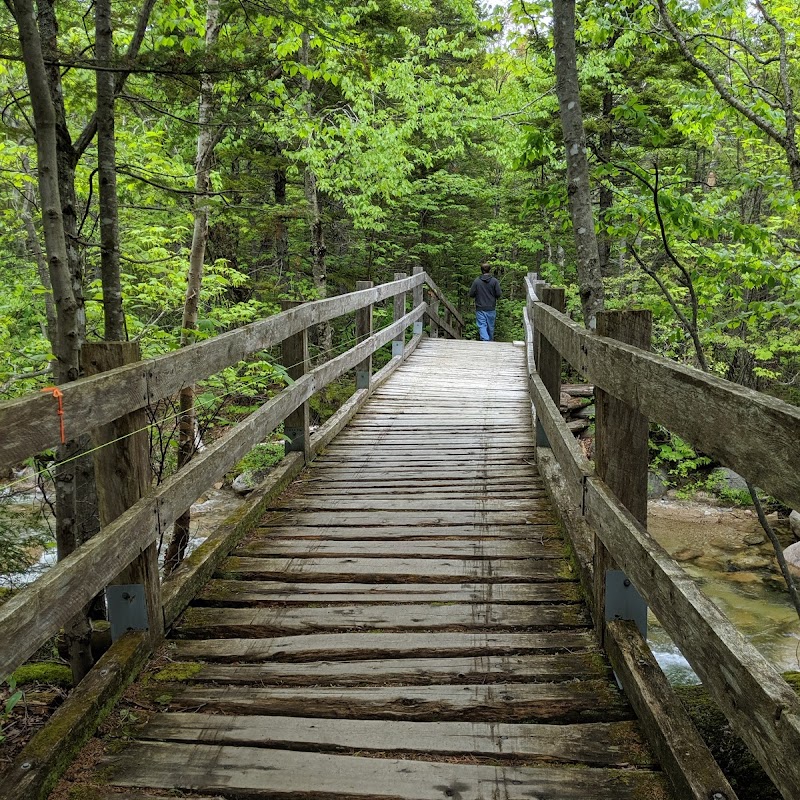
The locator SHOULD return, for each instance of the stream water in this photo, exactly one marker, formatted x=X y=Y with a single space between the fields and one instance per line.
x=712 y=545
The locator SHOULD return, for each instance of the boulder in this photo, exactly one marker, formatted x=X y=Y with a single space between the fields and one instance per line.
x=244 y=483
x=794 y=523
x=753 y=539
x=687 y=554
x=657 y=485
x=728 y=479
x=746 y=563
x=792 y=556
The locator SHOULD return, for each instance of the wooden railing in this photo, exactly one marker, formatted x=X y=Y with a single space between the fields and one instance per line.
x=30 y=425
x=753 y=434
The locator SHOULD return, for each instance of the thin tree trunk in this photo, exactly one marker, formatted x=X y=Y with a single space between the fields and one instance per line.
x=318 y=247
x=578 y=189
x=113 y=315
x=281 y=228
x=606 y=195
x=206 y=140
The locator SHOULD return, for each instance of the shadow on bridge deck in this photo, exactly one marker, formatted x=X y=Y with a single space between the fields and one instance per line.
x=404 y=623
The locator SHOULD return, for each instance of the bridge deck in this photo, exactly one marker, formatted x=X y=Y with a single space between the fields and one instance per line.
x=404 y=623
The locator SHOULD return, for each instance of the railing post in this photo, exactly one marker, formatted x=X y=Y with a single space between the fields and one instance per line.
x=548 y=359
x=398 y=345
x=294 y=357
x=416 y=300
x=621 y=461
x=364 y=331
x=433 y=301
x=123 y=475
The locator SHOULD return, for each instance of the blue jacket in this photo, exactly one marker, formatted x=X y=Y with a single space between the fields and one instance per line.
x=485 y=289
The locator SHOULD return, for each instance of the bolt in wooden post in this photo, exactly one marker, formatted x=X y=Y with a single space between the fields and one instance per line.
x=416 y=300
x=364 y=331
x=548 y=359
x=294 y=357
x=122 y=470
x=621 y=461
x=398 y=345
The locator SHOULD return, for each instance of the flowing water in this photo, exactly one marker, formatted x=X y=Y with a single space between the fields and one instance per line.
x=711 y=544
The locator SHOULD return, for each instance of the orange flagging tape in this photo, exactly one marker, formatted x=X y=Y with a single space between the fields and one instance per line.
x=59 y=395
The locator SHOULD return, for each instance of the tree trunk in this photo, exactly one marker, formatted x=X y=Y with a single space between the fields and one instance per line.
x=113 y=316
x=606 y=195
x=578 y=188
x=206 y=140
x=281 y=228
x=67 y=334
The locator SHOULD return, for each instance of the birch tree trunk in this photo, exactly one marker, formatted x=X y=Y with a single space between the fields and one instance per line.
x=113 y=316
x=578 y=188
x=206 y=141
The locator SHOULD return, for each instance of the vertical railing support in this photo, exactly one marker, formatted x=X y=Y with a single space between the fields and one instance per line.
x=123 y=475
x=433 y=301
x=548 y=359
x=398 y=345
x=621 y=461
x=294 y=357
x=416 y=300
x=364 y=331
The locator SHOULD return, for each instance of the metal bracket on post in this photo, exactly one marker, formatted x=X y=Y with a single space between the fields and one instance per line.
x=623 y=600
x=397 y=348
x=418 y=328
x=362 y=379
x=127 y=609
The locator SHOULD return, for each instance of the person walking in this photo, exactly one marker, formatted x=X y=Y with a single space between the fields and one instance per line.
x=486 y=290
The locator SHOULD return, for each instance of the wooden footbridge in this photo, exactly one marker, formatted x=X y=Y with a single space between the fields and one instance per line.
x=427 y=597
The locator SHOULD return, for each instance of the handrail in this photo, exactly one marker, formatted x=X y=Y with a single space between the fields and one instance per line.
x=761 y=707
x=38 y=612
x=764 y=448
x=30 y=424
x=445 y=302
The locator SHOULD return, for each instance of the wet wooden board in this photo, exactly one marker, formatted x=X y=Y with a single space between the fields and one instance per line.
x=264 y=622
x=399 y=517
x=259 y=593
x=428 y=505
x=547 y=668
x=263 y=772
x=615 y=744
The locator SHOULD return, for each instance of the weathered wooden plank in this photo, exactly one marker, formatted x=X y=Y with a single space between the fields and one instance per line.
x=681 y=752
x=420 y=518
x=334 y=646
x=422 y=570
x=261 y=772
x=493 y=548
x=405 y=671
x=538 y=532
x=761 y=707
x=614 y=744
x=424 y=490
x=765 y=428
x=312 y=502
x=227 y=622
x=255 y=593
x=573 y=701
